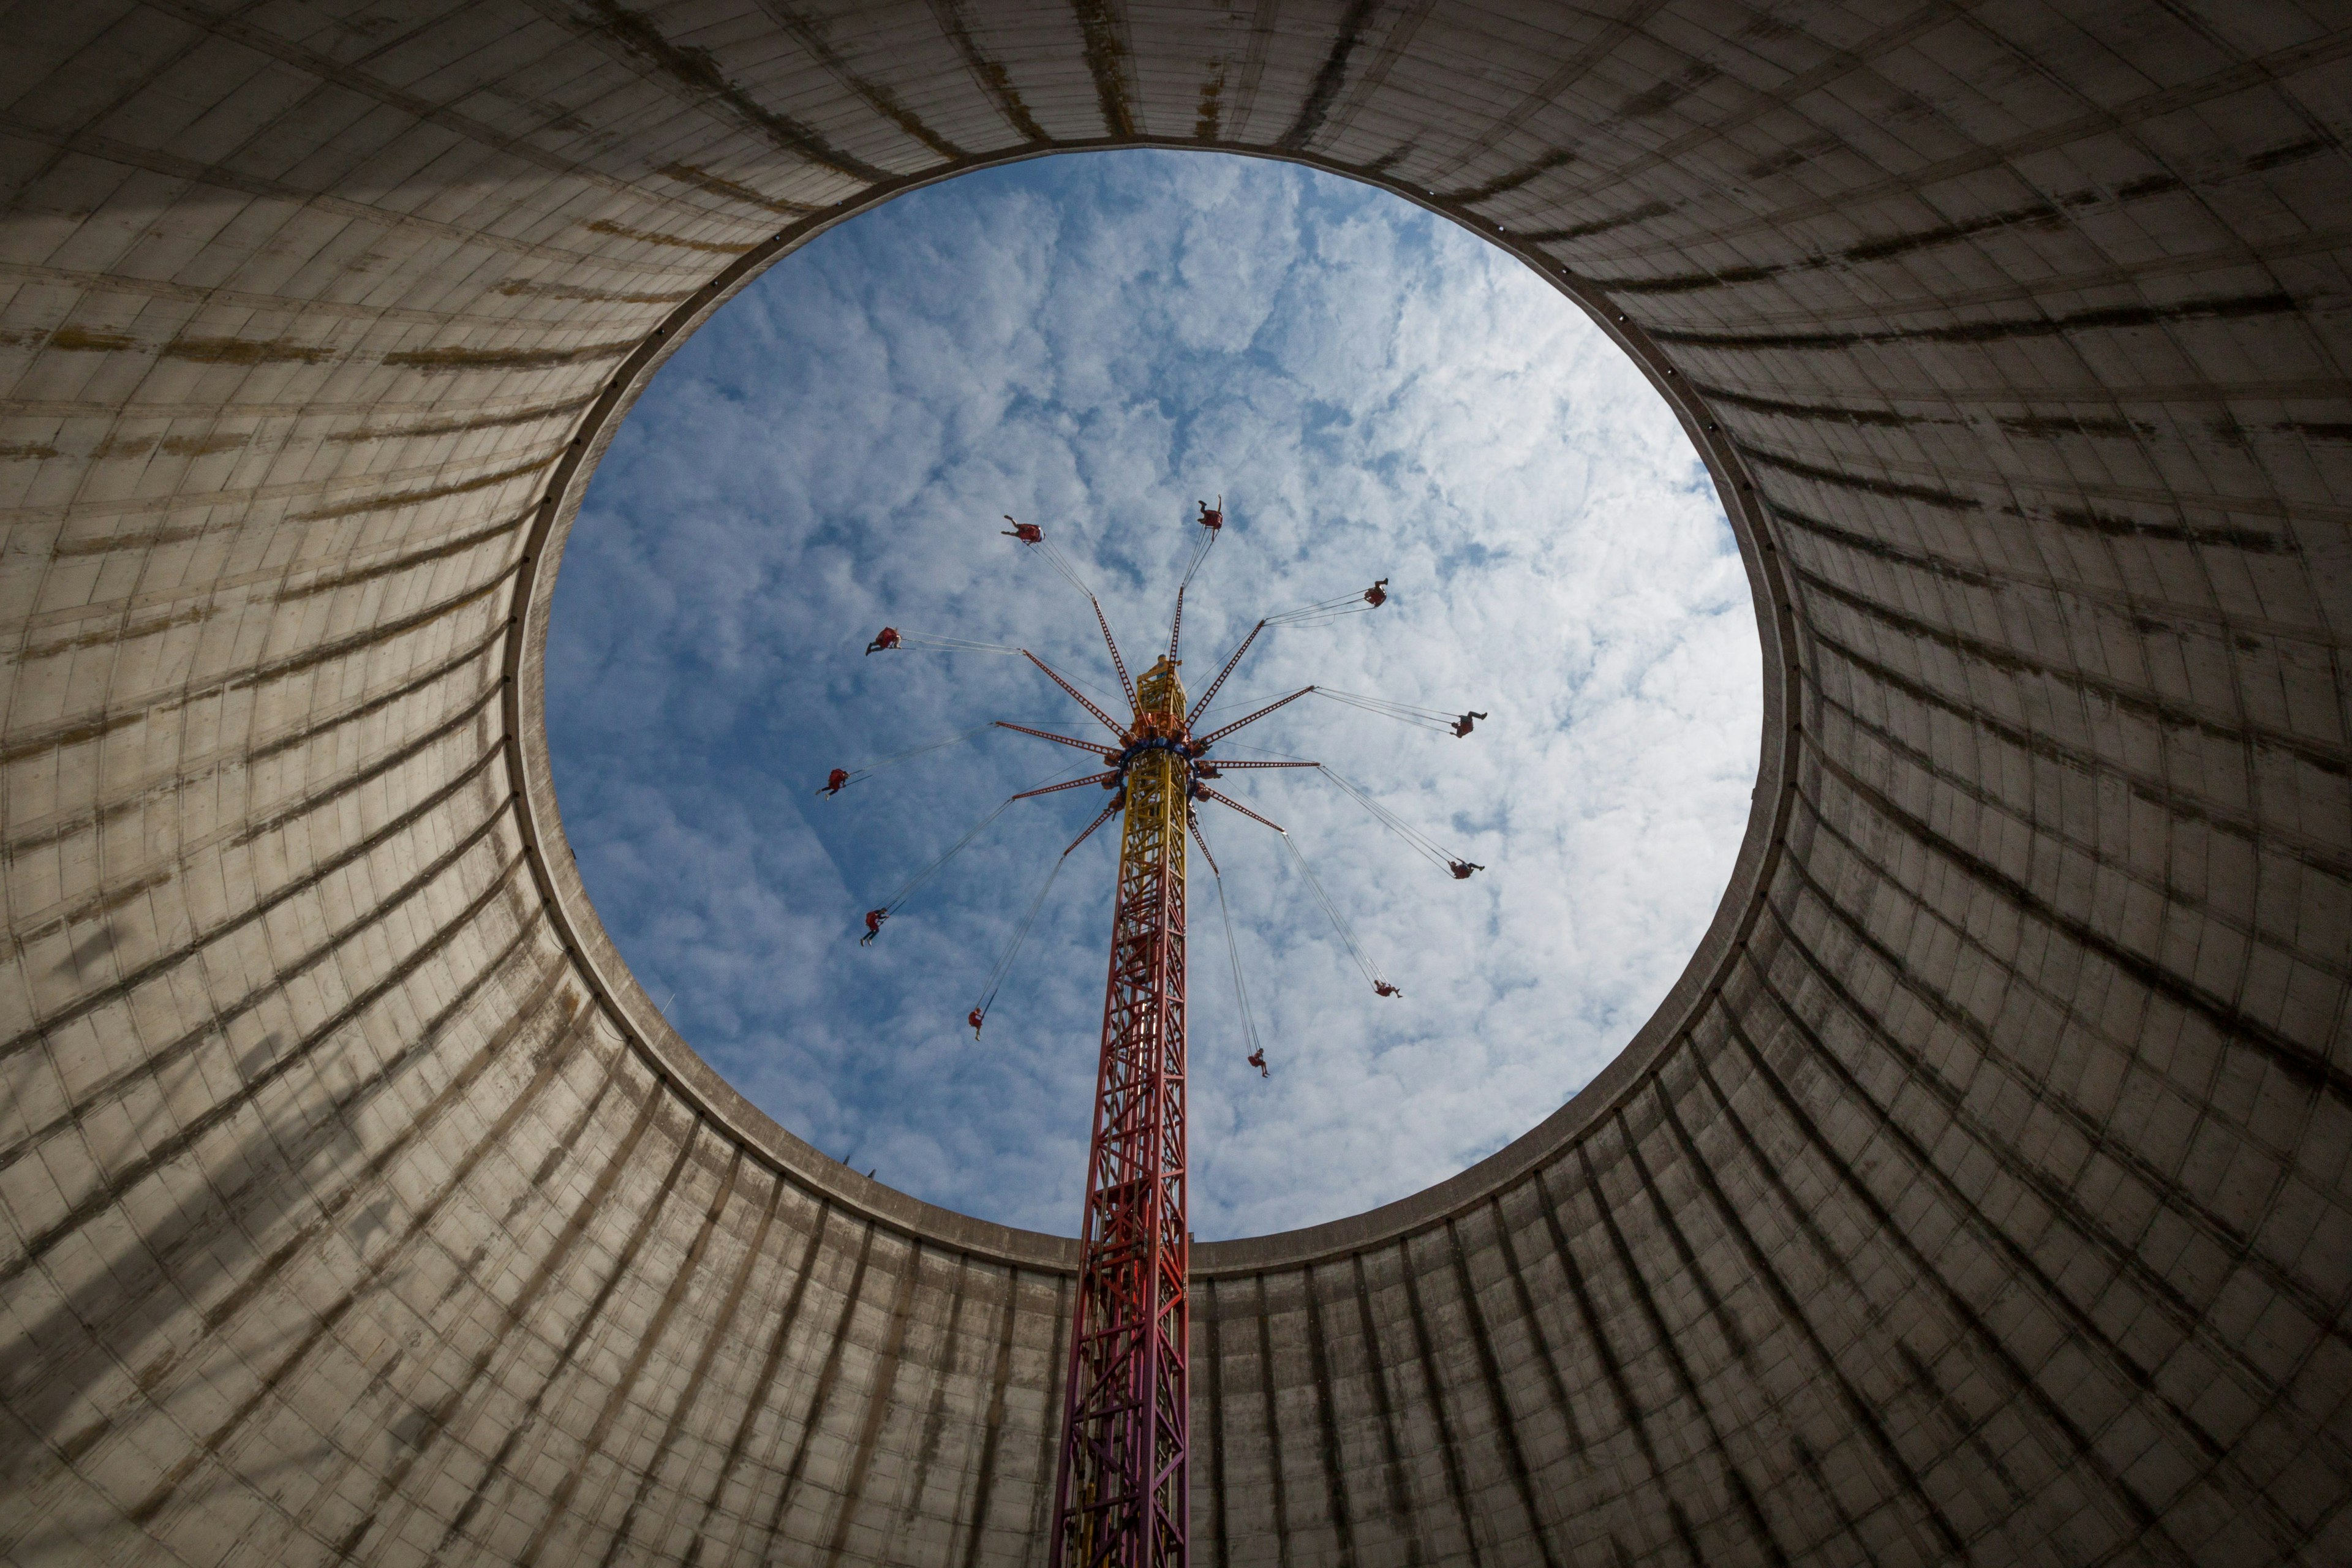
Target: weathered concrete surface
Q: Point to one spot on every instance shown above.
(1982, 1194)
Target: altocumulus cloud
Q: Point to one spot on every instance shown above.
(1092, 344)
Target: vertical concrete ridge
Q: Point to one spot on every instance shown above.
(1982, 1191)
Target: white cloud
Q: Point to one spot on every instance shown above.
(1090, 344)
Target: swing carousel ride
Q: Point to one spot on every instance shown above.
(1120, 1492)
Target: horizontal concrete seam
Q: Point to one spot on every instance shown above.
(993, 1424)
(1449, 1443)
(1628, 1266)
(79, 820)
(2153, 1289)
(617, 1397)
(549, 1064)
(344, 75)
(2144, 1515)
(113, 1186)
(156, 161)
(716, 1334)
(482, 417)
(77, 730)
(2213, 813)
(256, 508)
(157, 1497)
(2064, 502)
(2057, 837)
(393, 501)
(879, 1405)
(1327, 1427)
(1490, 1372)
(163, 964)
(378, 703)
(1759, 1265)
(1902, 292)
(86, 282)
(2167, 1191)
(1401, 1508)
(623, 1263)
(757, 1393)
(2242, 731)
(828, 1374)
(2299, 1061)
(438, 553)
(544, 1270)
(2263, 70)
(382, 767)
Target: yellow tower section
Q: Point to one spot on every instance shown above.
(1158, 782)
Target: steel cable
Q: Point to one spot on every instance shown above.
(1200, 554)
(924, 642)
(1418, 841)
(1234, 952)
(1327, 609)
(925, 874)
(892, 761)
(1355, 950)
(1005, 962)
(1405, 712)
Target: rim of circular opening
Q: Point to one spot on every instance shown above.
(681, 1068)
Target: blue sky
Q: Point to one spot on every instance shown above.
(1092, 344)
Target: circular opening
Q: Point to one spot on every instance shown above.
(1094, 344)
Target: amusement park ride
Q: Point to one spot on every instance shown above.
(1121, 1490)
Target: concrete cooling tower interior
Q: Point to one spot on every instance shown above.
(1979, 1194)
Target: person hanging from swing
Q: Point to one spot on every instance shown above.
(874, 919)
(1378, 593)
(1026, 532)
(888, 638)
(975, 1018)
(1464, 725)
(1212, 518)
(1382, 988)
(1461, 869)
(835, 781)
(1256, 1059)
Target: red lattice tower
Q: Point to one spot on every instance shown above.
(1120, 1495)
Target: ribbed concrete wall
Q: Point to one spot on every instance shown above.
(1982, 1194)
